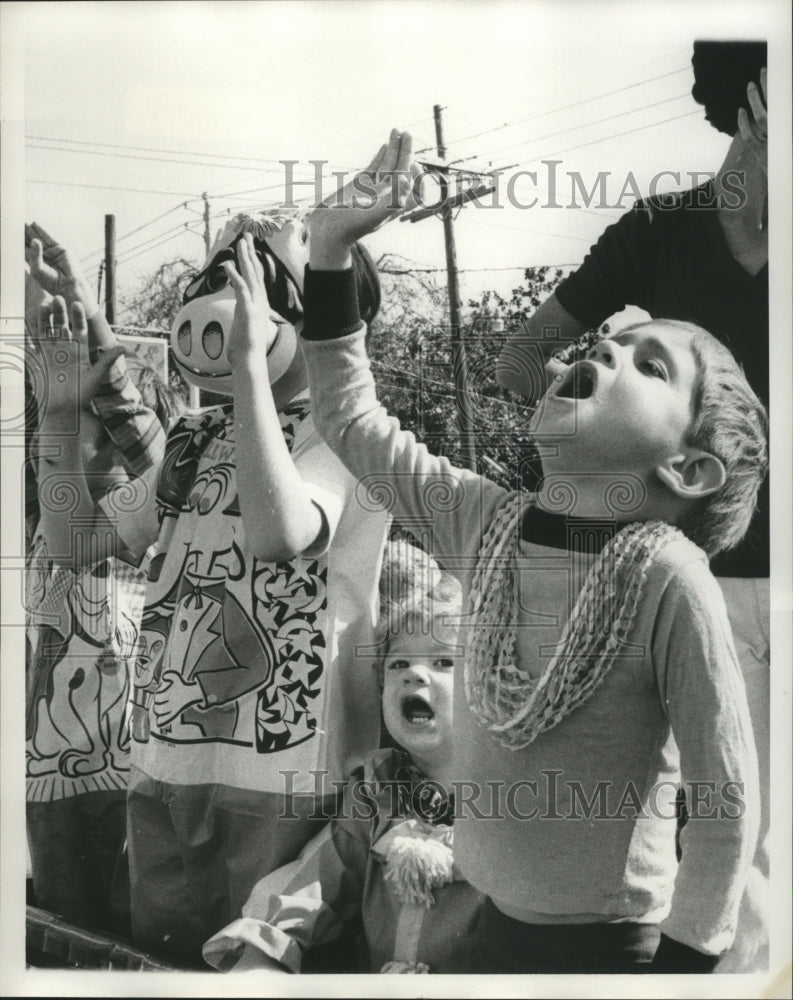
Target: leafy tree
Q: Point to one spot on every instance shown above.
(150, 309)
(158, 297)
(410, 347)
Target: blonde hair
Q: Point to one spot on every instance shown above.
(414, 594)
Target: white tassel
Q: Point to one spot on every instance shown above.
(415, 866)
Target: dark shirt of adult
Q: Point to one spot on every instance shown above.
(699, 255)
(668, 256)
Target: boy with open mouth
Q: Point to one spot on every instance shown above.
(599, 667)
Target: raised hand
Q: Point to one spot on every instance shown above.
(64, 381)
(253, 329)
(754, 127)
(54, 268)
(373, 197)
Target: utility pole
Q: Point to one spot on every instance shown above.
(194, 393)
(459, 363)
(207, 241)
(110, 269)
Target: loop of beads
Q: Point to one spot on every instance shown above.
(514, 706)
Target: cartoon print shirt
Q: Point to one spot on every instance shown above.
(81, 637)
(250, 673)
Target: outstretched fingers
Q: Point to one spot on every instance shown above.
(79, 323)
(250, 266)
(236, 282)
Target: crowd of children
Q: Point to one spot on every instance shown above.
(240, 694)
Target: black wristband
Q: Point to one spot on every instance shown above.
(675, 958)
(331, 304)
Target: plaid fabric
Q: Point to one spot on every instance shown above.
(134, 428)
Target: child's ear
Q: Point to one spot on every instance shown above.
(692, 475)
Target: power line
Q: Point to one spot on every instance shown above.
(174, 229)
(565, 107)
(145, 248)
(523, 229)
(151, 149)
(604, 138)
(110, 187)
(469, 270)
(126, 259)
(149, 159)
(132, 232)
(572, 128)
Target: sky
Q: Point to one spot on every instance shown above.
(137, 109)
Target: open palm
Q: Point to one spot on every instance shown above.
(374, 196)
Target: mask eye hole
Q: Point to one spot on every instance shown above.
(184, 338)
(212, 340)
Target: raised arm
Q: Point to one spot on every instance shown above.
(280, 518)
(82, 497)
(526, 364)
(57, 271)
(425, 492)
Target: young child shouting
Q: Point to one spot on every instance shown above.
(387, 857)
(599, 666)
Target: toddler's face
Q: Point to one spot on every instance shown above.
(417, 691)
(626, 406)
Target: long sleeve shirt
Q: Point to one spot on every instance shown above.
(580, 825)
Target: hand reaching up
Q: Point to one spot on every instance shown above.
(373, 197)
(54, 268)
(64, 381)
(253, 329)
(754, 126)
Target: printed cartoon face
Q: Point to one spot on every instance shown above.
(201, 330)
(417, 691)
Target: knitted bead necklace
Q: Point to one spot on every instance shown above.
(514, 706)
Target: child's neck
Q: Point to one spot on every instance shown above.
(615, 498)
(436, 767)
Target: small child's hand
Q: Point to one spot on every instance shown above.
(253, 330)
(374, 197)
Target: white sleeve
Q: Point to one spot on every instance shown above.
(441, 504)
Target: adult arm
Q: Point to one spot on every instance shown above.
(611, 277)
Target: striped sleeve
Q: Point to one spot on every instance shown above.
(134, 427)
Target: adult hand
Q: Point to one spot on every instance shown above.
(64, 381)
(373, 197)
(754, 127)
(56, 270)
(253, 329)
